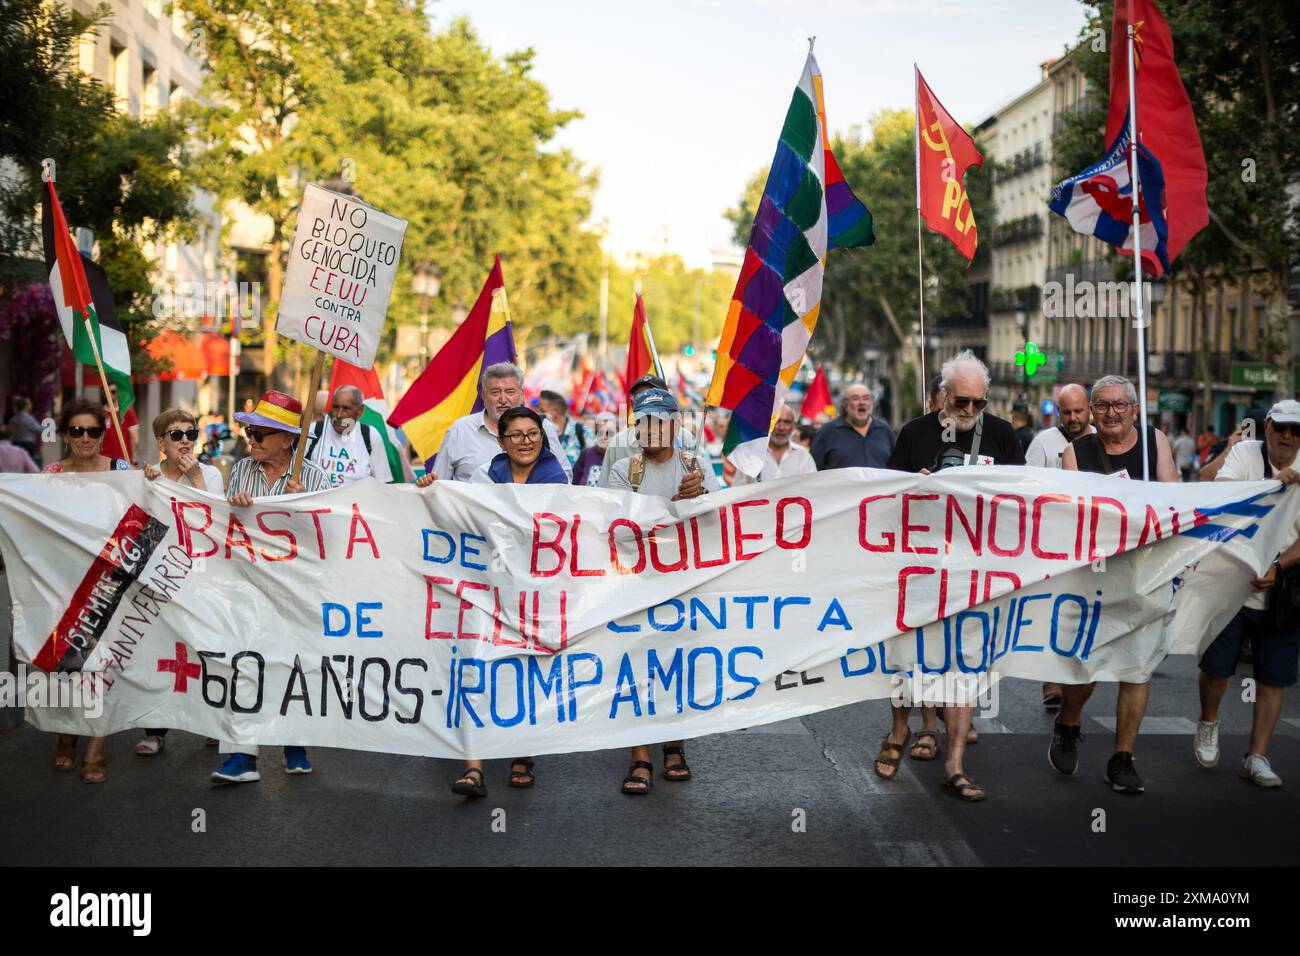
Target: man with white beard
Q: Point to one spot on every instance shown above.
(766, 459)
(347, 449)
(960, 432)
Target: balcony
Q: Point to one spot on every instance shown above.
(1021, 162)
(1012, 300)
(1025, 229)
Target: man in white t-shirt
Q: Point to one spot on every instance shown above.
(1072, 413)
(1045, 452)
(347, 449)
(1277, 650)
(658, 467)
(773, 457)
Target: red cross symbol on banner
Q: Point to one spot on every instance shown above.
(181, 667)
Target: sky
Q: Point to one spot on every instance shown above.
(683, 102)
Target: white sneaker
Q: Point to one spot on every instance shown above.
(1206, 747)
(1256, 769)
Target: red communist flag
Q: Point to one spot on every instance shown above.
(817, 400)
(944, 151)
(640, 359)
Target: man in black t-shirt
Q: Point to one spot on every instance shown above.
(942, 439)
(1115, 449)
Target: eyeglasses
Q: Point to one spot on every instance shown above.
(94, 431)
(1120, 408)
(176, 434)
(1287, 428)
(979, 403)
(259, 434)
(523, 438)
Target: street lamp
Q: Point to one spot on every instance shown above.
(426, 283)
(1022, 321)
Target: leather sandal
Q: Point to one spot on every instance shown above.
(928, 751)
(92, 771)
(635, 786)
(680, 770)
(467, 786)
(522, 779)
(969, 791)
(891, 755)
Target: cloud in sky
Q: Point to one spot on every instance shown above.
(683, 101)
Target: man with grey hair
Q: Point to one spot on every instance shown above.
(1115, 449)
(959, 433)
(472, 440)
(774, 456)
(348, 449)
(856, 439)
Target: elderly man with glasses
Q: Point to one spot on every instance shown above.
(1114, 449)
(273, 431)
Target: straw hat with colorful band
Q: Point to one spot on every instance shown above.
(275, 410)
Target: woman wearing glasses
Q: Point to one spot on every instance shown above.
(82, 426)
(526, 459)
(177, 432)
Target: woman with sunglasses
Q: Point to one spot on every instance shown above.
(177, 432)
(82, 426)
(526, 459)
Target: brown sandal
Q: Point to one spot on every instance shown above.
(928, 751)
(65, 755)
(891, 755)
(92, 771)
(969, 791)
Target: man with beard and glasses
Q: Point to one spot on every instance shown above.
(960, 432)
(345, 447)
(856, 439)
(1115, 449)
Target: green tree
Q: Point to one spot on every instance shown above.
(1238, 63)
(870, 295)
(121, 177)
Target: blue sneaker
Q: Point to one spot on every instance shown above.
(295, 760)
(238, 768)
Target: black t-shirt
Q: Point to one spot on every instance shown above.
(921, 440)
(1087, 455)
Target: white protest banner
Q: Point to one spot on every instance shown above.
(341, 270)
(490, 621)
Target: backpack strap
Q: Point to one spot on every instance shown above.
(365, 437)
(636, 470)
(1268, 465)
(313, 437)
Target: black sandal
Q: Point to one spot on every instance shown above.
(969, 791)
(524, 779)
(470, 789)
(630, 781)
(683, 772)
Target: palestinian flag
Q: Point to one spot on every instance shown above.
(81, 291)
(376, 409)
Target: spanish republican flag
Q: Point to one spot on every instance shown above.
(818, 398)
(375, 408)
(641, 357)
(448, 388)
(944, 151)
(82, 297)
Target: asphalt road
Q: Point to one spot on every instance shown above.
(741, 808)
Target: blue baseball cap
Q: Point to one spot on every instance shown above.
(655, 403)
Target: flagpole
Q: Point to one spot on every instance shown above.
(308, 412)
(654, 353)
(1139, 316)
(920, 267)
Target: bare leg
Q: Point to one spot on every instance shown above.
(1074, 696)
(92, 765)
(1129, 710)
(958, 718)
(1268, 705)
(1211, 690)
(640, 753)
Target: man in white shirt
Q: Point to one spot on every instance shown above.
(1072, 413)
(776, 456)
(1045, 452)
(347, 449)
(472, 440)
(1277, 650)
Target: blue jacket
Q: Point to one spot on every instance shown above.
(547, 470)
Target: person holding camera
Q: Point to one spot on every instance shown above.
(959, 433)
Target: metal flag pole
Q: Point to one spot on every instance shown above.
(920, 268)
(1139, 314)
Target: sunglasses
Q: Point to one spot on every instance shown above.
(177, 434)
(1287, 428)
(94, 431)
(979, 403)
(259, 434)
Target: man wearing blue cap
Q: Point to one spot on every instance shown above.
(659, 468)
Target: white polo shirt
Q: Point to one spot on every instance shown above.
(755, 456)
(1047, 447)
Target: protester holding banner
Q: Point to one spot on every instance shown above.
(1116, 450)
(773, 457)
(659, 467)
(1269, 619)
(471, 441)
(273, 431)
(345, 447)
(625, 444)
(83, 426)
(177, 432)
(526, 459)
(856, 439)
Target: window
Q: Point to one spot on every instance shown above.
(150, 90)
(117, 64)
(86, 54)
